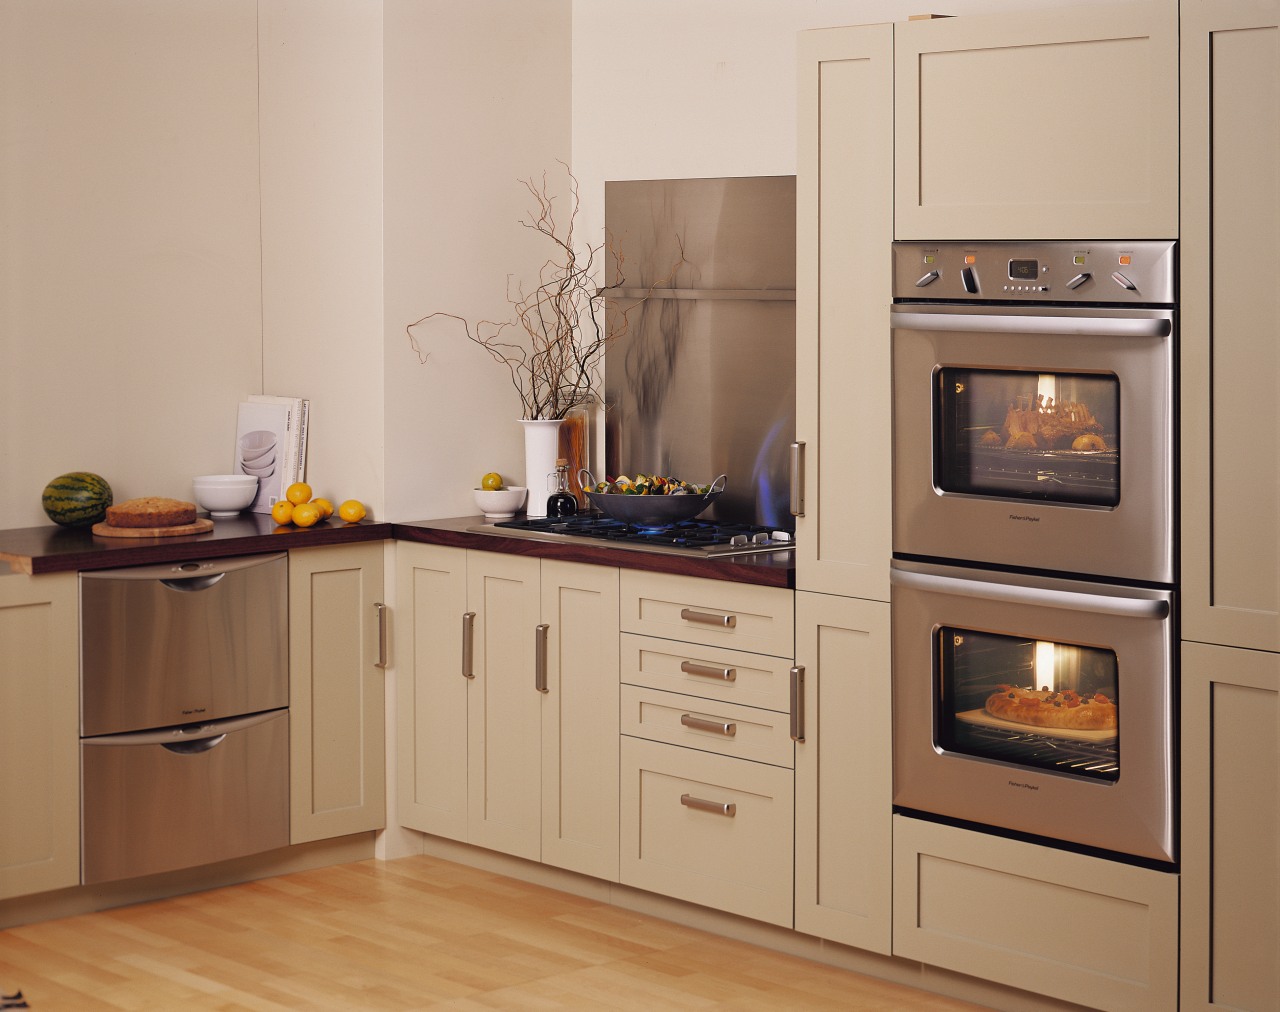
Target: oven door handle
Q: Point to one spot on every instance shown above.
(1124, 607)
(1088, 326)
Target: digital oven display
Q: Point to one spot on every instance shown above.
(1024, 270)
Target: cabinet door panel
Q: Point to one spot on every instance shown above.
(337, 709)
(843, 230)
(503, 719)
(1230, 828)
(40, 743)
(844, 775)
(1052, 125)
(580, 719)
(431, 702)
(1230, 325)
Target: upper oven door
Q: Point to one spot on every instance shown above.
(1037, 437)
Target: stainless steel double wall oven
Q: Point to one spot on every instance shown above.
(1033, 486)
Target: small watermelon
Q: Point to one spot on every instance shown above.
(77, 499)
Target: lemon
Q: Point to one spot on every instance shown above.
(491, 481)
(298, 492)
(352, 511)
(282, 511)
(306, 514)
(326, 508)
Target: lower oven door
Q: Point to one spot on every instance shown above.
(1035, 705)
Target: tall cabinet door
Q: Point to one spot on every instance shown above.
(1230, 828)
(1054, 124)
(503, 714)
(40, 743)
(580, 718)
(844, 182)
(844, 775)
(1230, 323)
(432, 668)
(337, 707)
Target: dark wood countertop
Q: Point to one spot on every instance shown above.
(769, 569)
(54, 549)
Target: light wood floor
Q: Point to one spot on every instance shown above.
(415, 933)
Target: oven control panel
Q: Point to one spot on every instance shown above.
(1102, 272)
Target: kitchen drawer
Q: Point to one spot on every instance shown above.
(712, 612)
(744, 732)
(708, 829)
(711, 672)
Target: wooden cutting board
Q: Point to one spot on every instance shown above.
(200, 525)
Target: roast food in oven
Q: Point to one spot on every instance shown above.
(1046, 708)
(1043, 424)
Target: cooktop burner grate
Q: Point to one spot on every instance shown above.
(689, 536)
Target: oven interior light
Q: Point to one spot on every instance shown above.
(1047, 387)
(1044, 666)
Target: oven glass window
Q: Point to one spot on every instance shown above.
(1047, 436)
(1036, 703)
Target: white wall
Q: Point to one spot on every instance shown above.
(130, 321)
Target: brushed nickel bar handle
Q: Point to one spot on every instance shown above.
(707, 671)
(797, 703)
(725, 621)
(540, 657)
(714, 807)
(714, 726)
(797, 479)
(381, 608)
(468, 638)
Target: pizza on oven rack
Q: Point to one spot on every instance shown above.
(1046, 708)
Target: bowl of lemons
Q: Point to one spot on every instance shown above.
(498, 500)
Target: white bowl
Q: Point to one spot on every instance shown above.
(500, 503)
(259, 471)
(224, 495)
(255, 444)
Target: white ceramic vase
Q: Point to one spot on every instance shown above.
(541, 448)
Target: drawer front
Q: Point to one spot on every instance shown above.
(708, 829)
(731, 676)
(712, 612)
(741, 731)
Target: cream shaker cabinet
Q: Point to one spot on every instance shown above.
(1230, 323)
(337, 647)
(844, 775)
(1054, 124)
(1230, 828)
(707, 785)
(40, 743)
(844, 228)
(508, 704)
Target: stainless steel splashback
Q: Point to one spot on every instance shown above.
(703, 381)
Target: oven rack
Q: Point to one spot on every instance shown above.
(1080, 758)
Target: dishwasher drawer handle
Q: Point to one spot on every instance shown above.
(714, 726)
(725, 621)
(192, 584)
(707, 671)
(195, 747)
(726, 808)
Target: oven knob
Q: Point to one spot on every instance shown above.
(970, 279)
(1078, 280)
(1123, 282)
(928, 279)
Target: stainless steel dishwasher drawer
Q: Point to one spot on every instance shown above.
(183, 643)
(155, 801)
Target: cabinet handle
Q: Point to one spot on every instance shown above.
(703, 724)
(540, 657)
(714, 807)
(468, 637)
(381, 608)
(797, 479)
(709, 618)
(797, 703)
(707, 671)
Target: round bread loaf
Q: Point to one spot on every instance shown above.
(151, 511)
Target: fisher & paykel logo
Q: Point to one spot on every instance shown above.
(1025, 787)
(1023, 516)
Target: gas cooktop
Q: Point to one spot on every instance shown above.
(706, 538)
